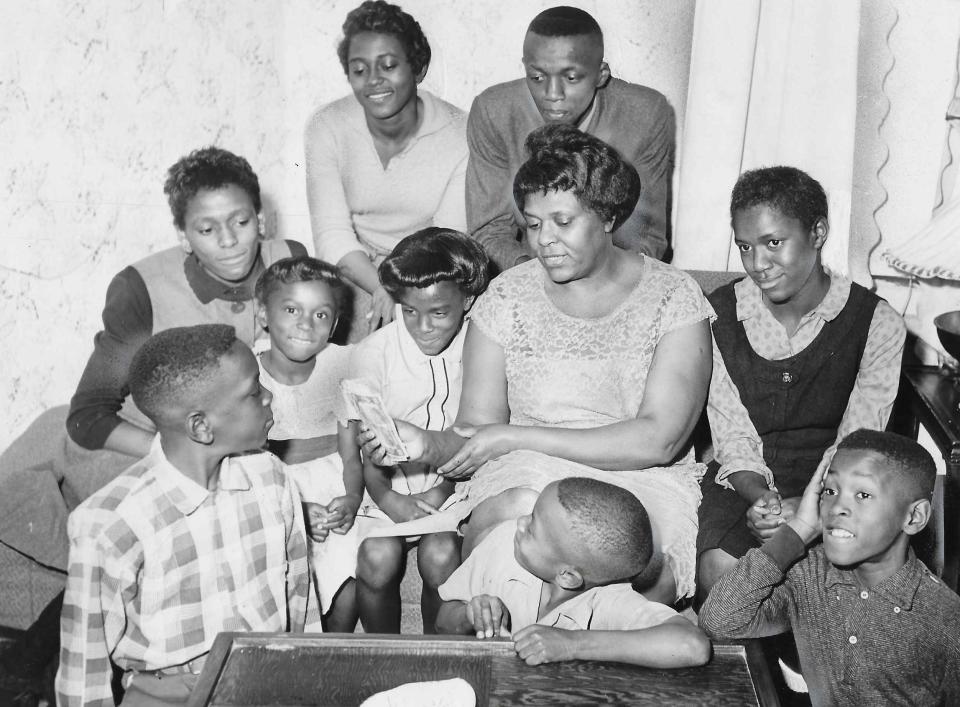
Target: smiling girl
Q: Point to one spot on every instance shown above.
(802, 357)
(298, 304)
(385, 162)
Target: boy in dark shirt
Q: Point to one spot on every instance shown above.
(871, 623)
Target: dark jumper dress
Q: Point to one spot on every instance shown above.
(796, 405)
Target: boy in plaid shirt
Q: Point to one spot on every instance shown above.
(197, 538)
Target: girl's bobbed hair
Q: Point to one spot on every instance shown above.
(435, 255)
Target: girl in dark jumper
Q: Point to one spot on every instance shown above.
(802, 356)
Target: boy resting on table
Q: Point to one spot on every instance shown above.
(871, 623)
(559, 580)
(194, 539)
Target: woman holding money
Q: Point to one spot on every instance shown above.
(587, 361)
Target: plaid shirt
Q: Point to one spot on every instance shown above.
(160, 565)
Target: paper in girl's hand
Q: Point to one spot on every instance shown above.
(363, 403)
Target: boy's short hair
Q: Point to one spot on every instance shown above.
(301, 268)
(612, 522)
(789, 190)
(383, 18)
(565, 21)
(562, 158)
(911, 464)
(208, 168)
(174, 366)
(434, 255)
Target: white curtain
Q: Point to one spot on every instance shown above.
(772, 82)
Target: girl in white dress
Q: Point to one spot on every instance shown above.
(298, 302)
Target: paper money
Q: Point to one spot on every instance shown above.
(363, 403)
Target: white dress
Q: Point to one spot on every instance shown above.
(564, 371)
(302, 412)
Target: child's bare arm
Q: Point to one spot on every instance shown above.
(344, 508)
(484, 615)
(438, 494)
(676, 643)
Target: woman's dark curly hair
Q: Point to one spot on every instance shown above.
(434, 255)
(383, 18)
(207, 168)
(789, 190)
(301, 268)
(562, 158)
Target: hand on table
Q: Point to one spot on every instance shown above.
(536, 644)
(489, 616)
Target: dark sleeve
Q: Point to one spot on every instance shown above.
(297, 249)
(127, 323)
(489, 217)
(752, 599)
(647, 230)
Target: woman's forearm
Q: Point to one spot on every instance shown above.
(357, 268)
(631, 444)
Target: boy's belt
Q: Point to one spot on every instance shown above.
(192, 667)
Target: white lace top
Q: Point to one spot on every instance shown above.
(563, 371)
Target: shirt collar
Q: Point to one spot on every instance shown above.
(899, 589)
(207, 288)
(585, 123)
(185, 494)
(412, 353)
(750, 299)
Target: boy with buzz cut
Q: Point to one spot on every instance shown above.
(559, 581)
(196, 538)
(567, 82)
(871, 623)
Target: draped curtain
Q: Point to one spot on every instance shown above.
(770, 83)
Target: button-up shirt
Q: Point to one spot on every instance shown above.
(159, 565)
(897, 643)
(492, 569)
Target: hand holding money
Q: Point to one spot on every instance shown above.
(366, 405)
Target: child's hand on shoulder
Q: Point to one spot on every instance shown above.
(489, 615)
(343, 512)
(536, 644)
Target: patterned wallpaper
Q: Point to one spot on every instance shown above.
(99, 97)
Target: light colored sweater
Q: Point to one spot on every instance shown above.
(357, 204)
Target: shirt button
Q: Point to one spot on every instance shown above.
(896, 609)
(864, 595)
(853, 640)
(238, 307)
(786, 377)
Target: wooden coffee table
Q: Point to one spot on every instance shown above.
(345, 669)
